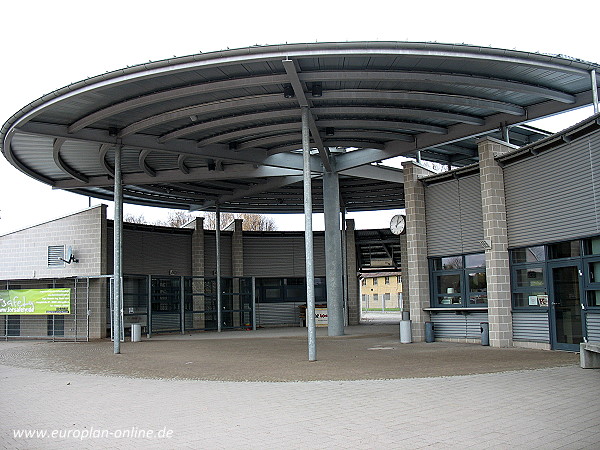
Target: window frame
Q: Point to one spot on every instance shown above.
(463, 272)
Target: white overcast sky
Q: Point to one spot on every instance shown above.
(49, 44)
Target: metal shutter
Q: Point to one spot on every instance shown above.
(454, 216)
(458, 326)
(531, 326)
(553, 196)
(593, 327)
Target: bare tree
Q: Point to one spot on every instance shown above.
(257, 222)
(176, 219)
(210, 220)
(132, 218)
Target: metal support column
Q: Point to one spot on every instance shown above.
(308, 240)
(218, 245)
(344, 267)
(182, 304)
(254, 303)
(505, 134)
(333, 254)
(118, 247)
(594, 91)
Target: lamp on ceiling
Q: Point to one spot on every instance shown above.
(329, 131)
(288, 91)
(317, 90)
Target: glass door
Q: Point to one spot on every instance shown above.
(566, 306)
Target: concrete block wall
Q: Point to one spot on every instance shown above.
(25, 252)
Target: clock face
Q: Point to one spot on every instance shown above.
(397, 224)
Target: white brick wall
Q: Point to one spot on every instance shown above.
(24, 254)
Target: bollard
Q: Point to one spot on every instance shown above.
(429, 334)
(485, 333)
(136, 332)
(405, 332)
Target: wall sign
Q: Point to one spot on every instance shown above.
(35, 301)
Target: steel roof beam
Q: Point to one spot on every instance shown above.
(219, 106)
(141, 142)
(273, 183)
(103, 162)
(58, 143)
(292, 72)
(376, 173)
(144, 164)
(198, 174)
(397, 112)
(437, 79)
(172, 94)
(455, 133)
(424, 98)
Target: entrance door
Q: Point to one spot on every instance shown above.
(565, 307)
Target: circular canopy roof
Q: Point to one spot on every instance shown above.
(225, 127)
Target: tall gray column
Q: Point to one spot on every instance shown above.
(237, 266)
(416, 248)
(218, 258)
(333, 254)
(118, 252)
(493, 204)
(308, 239)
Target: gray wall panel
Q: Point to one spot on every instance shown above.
(152, 252)
(531, 326)
(281, 256)
(459, 326)
(454, 217)
(210, 254)
(593, 327)
(553, 196)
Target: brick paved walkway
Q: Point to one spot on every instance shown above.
(556, 407)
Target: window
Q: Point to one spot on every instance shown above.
(387, 280)
(459, 281)
(399, 279)
(374, 281)
(528, 277)
(375, 298)
(56, 255)
(363, 282)
(567, 249)
(386, 301)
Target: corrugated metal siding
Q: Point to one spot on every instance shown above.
(271, 314)
(151, 252)
(531, 327)
(552, 196)
(593, 327)
(281, 256)
(454, 217)
(210, 255)
(452, 325)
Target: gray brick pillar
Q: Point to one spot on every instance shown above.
(404, 275)
(494, 230)
(198, 271)
(352, 275)
(416, 248)
(237, 249)
(237, 265)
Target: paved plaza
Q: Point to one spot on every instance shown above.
(80, 399)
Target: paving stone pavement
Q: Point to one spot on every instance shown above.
(557, 407)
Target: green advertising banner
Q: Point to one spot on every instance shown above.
(35, 301)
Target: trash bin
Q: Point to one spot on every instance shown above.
(485, 333)
(136, 332)
(429, 335)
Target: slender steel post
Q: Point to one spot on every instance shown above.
(344, 267)
(149, 311)
(218, 238)
(118, 246)
(182, 303)
(254, 303)
(308, 241)
(505, 134)
(594, 90)
(419, 157)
